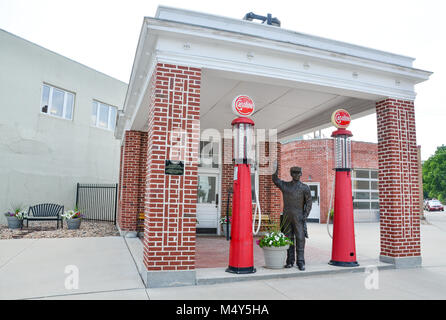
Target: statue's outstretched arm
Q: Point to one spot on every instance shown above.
(275, 176)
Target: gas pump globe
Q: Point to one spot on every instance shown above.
(241, 256)
(343, 252)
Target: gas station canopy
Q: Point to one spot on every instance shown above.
(296, 80)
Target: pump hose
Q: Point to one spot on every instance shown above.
(329, 208)
(257, 205)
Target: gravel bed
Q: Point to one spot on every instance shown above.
(47, 229)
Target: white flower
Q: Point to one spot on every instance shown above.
(20, 215)
(68, 214)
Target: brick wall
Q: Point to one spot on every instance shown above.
(315, 157)
(131, 180)
(398, 179)
(170, 202)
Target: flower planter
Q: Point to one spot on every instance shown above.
(14, 223)
(225, 229)
(275, 257)
(74, 223)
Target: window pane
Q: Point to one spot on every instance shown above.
(361, 205)
(103, 116)
(362, 195)
(206, 189)
(208, 154)
(45, 99)
(57, 103)
(374, 174)
(205, 154)
(94, 113)
(375, 195)
(69, 106)
(375, 205)
(374, 185)
(361, 174)
(112, 118)
(364, 185)
(215, 155)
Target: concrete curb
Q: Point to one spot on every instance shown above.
(207, 276)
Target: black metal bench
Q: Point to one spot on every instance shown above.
(45, 212)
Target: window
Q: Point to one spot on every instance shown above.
(103, 116)
(365, 189)
(208, 154)
(57, 102)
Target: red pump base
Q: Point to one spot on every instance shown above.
(241, 256)
(343, 253)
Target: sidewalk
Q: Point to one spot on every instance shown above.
(35, 269)
(38, 268)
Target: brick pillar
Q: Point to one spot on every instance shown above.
(131, 180)
(420, 179)
(398, 183)
(170, 207)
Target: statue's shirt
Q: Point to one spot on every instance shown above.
(296, 197)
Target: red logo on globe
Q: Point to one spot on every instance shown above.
(341, 118)
(243, 106)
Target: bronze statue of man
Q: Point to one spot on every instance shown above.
(296, 208)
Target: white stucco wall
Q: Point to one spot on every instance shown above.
(43, 157)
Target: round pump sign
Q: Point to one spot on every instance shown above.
(243, 106)
(341, 119)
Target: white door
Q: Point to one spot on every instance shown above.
(315, 213)
(207, 202)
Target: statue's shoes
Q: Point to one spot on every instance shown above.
(288, 265)
(301, 266)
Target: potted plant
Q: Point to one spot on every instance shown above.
(224, 221)
(15, 217)
(275, 245)
(73, 218)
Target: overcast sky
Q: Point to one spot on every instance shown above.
(103, 35)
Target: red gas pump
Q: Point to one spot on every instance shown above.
(241, 257)
(343, 252)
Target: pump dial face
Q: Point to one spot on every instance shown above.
(341, 119)
(243, 106)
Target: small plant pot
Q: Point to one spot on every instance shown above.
(14, 223)
(275, 257)
(225, 231)
(74, 223)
